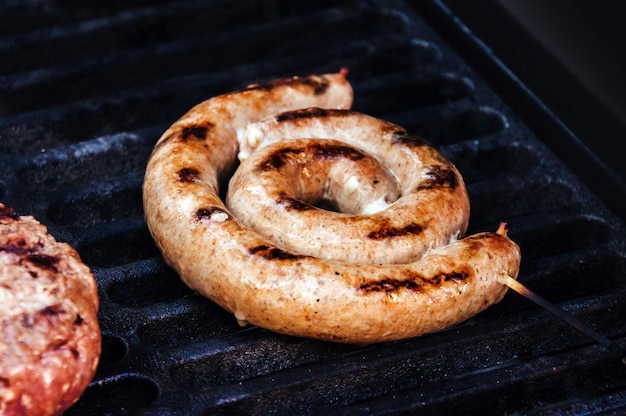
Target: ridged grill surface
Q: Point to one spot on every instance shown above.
(86, 88)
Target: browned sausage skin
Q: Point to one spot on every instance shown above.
(282, 290)
(432, 208)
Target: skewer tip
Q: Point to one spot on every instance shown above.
(612, 346)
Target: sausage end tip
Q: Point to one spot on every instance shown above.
(503, 229)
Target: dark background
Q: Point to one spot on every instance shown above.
(561, 65)
(588, 37)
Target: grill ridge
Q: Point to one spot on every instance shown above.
(76, 130)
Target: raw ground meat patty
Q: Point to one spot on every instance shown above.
(50, 338)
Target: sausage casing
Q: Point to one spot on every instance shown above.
(262, 283)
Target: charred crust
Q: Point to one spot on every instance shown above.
(30, 254)
(319, 150)
(187, 175)
(414, 283)
(327, 151)
(44, 261)
(319, 85)
(303, 113)
(440, 177)
(402, 136)
(52, 310)
(7, 213)
(184, 134)
(387, 231)
(195, 132)
(274, 253)
(274, 161)
(293, 204)
(311, 112)
(208, 213)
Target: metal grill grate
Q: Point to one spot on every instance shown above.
(87, 88)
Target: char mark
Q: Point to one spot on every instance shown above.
(440, 177)
(210, 213)
(274, 253)
(7, 213)
(292, 204)
(319, 85)
(318, 150)
(195, 132)
(414, 283)
(388, 231)
(311, 112)
(187, 175)
(52, 310)
(404, 137)
(33, 256)
(44, 261)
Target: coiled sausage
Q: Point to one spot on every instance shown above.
(432, 209)
(264, 283)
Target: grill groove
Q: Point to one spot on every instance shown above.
(87, 88)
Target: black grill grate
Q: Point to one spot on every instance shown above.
(87, 88)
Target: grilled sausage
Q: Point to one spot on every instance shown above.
(262, 282)
(432, 211)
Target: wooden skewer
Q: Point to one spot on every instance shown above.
(561, 314)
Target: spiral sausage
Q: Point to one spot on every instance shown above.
(433, 209)
(295, 293)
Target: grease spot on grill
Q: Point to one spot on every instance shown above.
(274, 253)
(414, 283)
(387, 231)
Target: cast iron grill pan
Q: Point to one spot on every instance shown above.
(88, 87)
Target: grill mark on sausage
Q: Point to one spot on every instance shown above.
(281, 157)
(187, 175)
(319, 85)
(311, 112)
(387, 231)
(293, 204)
(407, 138)
(440, 177)
(274, 253)
(196, 131)
(209, 213)
(414, 283)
